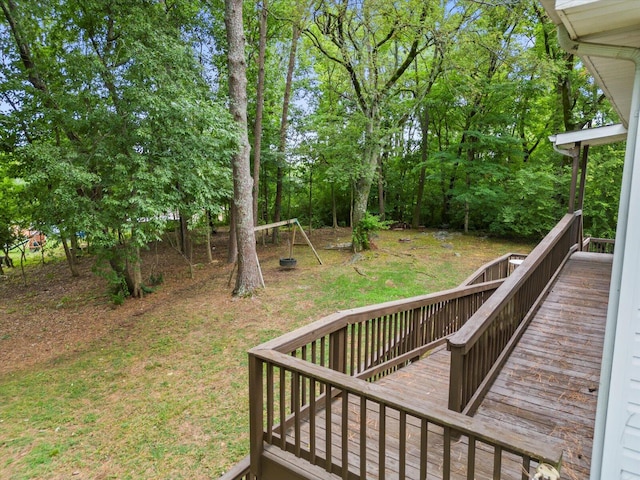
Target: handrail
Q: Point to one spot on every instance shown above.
(598, 245)
(361, 340)
(480, 347)
(498, 269)
(313, 437)
(294, 376)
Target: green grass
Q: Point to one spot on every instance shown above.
(167, 396)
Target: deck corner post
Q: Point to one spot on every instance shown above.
(455, 377)
(256, 398)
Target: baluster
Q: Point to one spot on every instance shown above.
(497, 462)
(359, 349)
(328, 431)
(526, 466)
(424, 453)
(367, 364)
(374, 342)
(295, 394)
(283, 403)
(352, 353)
(363, 437)
(270, 401)
(446, 457)
(303, 395)
(345, 435)
(402, 454)
(382, 442)
(312, 420)
(471, 459)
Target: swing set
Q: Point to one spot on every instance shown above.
(289, 262)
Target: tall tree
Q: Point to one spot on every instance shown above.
(248, 278)
(121, 126)
(257, 129)
(284, 122)
(374, 42)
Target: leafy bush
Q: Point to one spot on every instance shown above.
(362, 232)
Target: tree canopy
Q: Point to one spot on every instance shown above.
(115, 116)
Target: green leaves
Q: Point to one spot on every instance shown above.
(129, 130)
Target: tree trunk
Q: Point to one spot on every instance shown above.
(248, 279)
(424, 151)
(71, 259)
(232, 250)
(381, 189)
(125, 262)
(365, 178)
(334, 211)
(257, 129)
(184, 236)
(133, 274)
(208, 230)
(284, 122)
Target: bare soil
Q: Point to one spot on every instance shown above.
(56, 315)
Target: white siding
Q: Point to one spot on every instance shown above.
(621, 449)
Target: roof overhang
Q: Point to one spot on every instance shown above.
(589, 136)
(603, 22)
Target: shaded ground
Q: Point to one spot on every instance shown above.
(57, 315)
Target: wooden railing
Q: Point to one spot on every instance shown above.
(482, 345)
(598, 245)
(498, 269)
(296, 380)
(421, 436)
(330, 363)
(372, 341)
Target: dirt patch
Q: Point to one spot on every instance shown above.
(56, 315)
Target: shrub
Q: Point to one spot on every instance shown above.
(369, 224)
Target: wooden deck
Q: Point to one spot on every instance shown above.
(550, 382)
(548, 385)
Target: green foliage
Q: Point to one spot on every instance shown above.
(532, 209)
(130, 130)
(132, 124)
(604, 176)
(117, 288)
(11, 210)
(364, 229)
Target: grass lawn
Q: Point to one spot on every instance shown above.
(157, 388)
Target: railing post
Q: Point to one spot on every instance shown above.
(456, 378)
(337, 355)
(256, 428)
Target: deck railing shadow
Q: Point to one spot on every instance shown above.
(483, 344)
